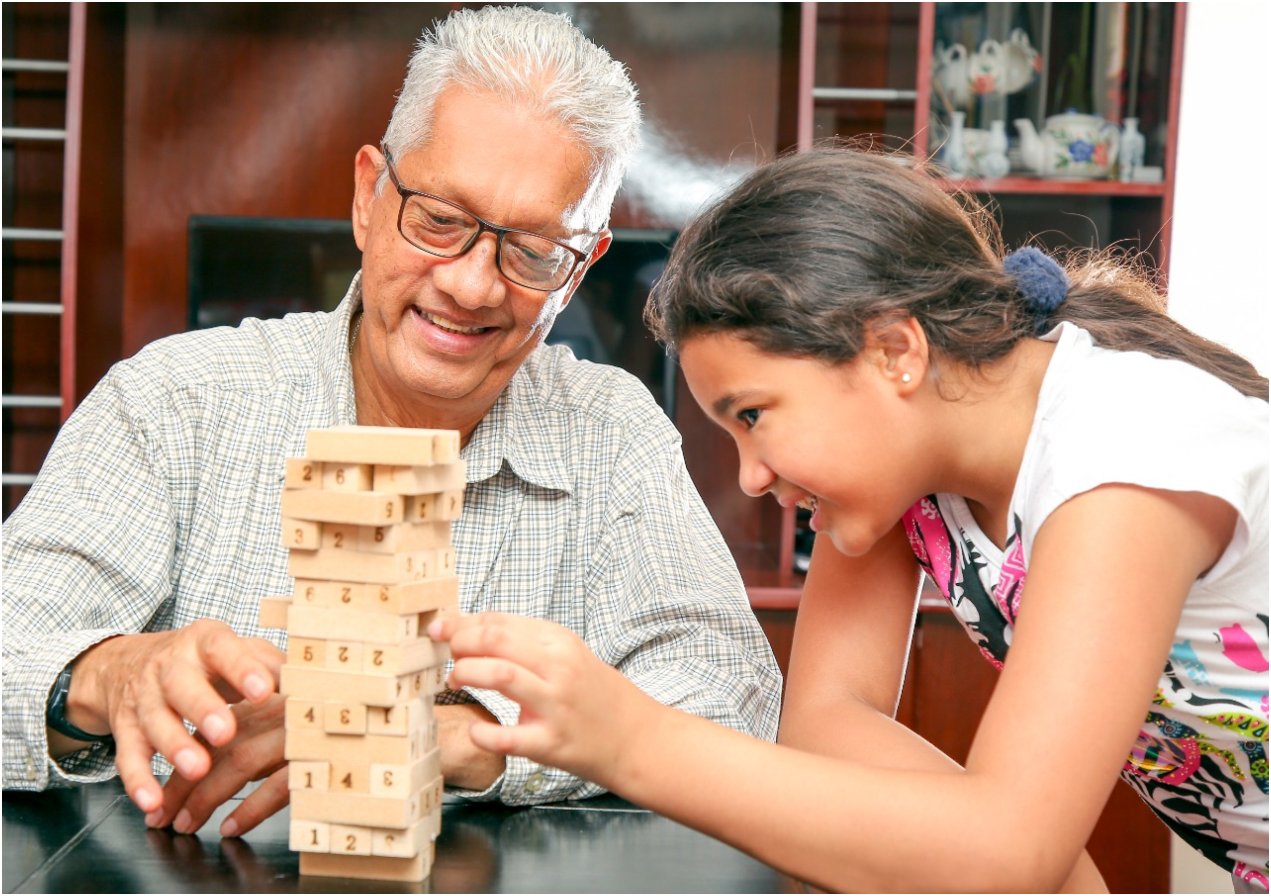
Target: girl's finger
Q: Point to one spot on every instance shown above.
(494, 674)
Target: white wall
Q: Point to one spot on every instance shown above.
(1219, 278)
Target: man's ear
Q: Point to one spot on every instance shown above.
(899, 347)
(367, 165)
(601, 247)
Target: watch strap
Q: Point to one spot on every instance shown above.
(55, 712)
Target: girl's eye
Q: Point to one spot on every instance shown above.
(748, 417)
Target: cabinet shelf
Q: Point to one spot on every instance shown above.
(1039, 186)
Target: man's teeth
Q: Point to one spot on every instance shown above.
(451, 325)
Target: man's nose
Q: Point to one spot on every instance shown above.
(473, 279)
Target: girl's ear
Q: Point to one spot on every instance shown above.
(899, 348)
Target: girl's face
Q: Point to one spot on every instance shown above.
(828, 437)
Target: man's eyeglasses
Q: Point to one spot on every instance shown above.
(442, 228)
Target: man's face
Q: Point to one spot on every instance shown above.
(441, 337)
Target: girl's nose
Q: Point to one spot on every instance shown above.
(754, 477)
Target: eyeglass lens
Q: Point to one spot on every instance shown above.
(443, 229)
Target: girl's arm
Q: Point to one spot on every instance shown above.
(847, 661)
(1107, 580)
(847, 667)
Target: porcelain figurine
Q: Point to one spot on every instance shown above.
(1071, 145)
(1133, 148)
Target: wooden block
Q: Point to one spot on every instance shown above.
(396, 445)
(435, 593)
(301, 472)
(445, 446)
(408, 656)
(428, 682)
(332, 623)
(341, 536)
(399, 719)
(348, 687)
(343, 718)
(358, 566)
(420, 480)
(358, 808)
(309, 775)
(318, 864)
(273, 612)
(403, 537)
(301, 535)
(306, 651)
(397, 779)
(359, 508)
(340, 748)
(350, 840)
(347, 655)
(324, 593)
(407, 843)
(338, 477)
(301, 713)
(352, 777)
(400, 598)
(311, 836)
(447, 505)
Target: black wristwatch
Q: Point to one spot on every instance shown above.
(55, 712)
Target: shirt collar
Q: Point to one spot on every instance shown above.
(521, 429)
(524, 430)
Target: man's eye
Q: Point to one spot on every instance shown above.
(442, 221)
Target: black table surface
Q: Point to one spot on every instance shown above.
(93, 839)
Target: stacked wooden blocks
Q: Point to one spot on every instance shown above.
(366, 516)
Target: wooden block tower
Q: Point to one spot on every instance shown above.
(366, 516)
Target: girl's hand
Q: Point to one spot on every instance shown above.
(578, 713)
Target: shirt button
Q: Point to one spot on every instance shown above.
(534, 783)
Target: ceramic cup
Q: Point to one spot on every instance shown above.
(1020, 62)
(950, 70)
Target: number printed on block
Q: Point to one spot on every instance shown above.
(301, 535)
(351, 840)
(302, 473)
(346, 477)
(301, 713)
(306, 651)
(350, 777)
(346, 655)
(344, 718)
(310, 836)
(341, 536)
(308, 775)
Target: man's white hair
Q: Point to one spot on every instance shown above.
(532, 58)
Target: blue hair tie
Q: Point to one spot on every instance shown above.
(1039, 279)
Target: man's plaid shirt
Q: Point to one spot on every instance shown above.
(159, 505)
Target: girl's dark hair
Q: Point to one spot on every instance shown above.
(812, 249)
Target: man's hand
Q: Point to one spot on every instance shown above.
(255, 753)
(141, 687)
(463, 763)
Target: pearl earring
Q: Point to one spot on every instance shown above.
(905, 377)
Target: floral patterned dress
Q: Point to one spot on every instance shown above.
(1201, 752)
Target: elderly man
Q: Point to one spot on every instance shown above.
(134, 566)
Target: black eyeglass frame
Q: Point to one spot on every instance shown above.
(483, 226)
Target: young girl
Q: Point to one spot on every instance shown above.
(1083, 479)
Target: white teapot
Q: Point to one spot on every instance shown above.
(1070, 145)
